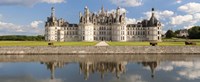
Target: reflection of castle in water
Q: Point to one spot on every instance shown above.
(103, 67)
(152, 66)
(52, 67)
(87, 68)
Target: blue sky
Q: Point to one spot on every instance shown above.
(27, 17)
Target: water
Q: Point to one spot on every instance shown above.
(85, 68)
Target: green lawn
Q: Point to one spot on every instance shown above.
(128, 43)
(42, 43)
(180, 40)
(147, 43)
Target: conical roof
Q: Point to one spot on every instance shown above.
(153, 20)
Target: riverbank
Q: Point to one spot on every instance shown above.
(43, 43)
(92, 50)
(97, 58)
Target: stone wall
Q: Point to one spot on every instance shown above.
(70, 50)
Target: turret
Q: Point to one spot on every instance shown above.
(87, 14)
(80, 14)
(153, 12)
(52, 12)
(117, 14)
(102, 10)
(153, 21)
(118, 11)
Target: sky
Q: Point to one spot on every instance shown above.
(28, 17)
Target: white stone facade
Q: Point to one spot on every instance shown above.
(102, 26)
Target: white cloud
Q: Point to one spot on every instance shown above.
(14, 29)
(1, 16)
(35, 24)
(122, 10)
(160, 14)
(28, 2)
(131, 21)
(188, 27)
(177, 20)
(197, 16)
(178, 1)
(164, 31)
(190, 7)
(188, 20)
(10, 27)
(191, 70)
(53, 1)
(127, 3)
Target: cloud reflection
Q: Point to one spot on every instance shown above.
(26, 78)
(187, 69)
(129, 78)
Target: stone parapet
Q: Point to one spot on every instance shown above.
(70, 50)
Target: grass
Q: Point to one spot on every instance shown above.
(166, 42)
(147, 43)
(43, 43)
(128, 43)
(180, 40)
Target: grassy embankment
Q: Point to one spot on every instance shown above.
(166, 42)
(42, 43)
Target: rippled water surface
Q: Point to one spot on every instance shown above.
(81, 69)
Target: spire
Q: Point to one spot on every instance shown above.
(52, 69)
(118, 7)
(52, 12)
(86, 7)
(87, 11)
(102, 9)
(153, 66)
(80, 14)
(118, 10)
(152, 12)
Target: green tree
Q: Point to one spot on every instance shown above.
(21, 38)
(176, 33)
(169, 34)
(194, 32)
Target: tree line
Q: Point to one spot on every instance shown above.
(193, 33)
(21, 38)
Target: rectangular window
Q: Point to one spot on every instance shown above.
(83, 38)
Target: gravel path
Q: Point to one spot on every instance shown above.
(103, 43)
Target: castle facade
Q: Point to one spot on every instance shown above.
(103, 26)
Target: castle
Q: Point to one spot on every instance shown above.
(102, 26)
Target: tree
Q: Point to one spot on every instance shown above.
(176, 33)
(169, 34)
(21, 38)
(194, 32)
